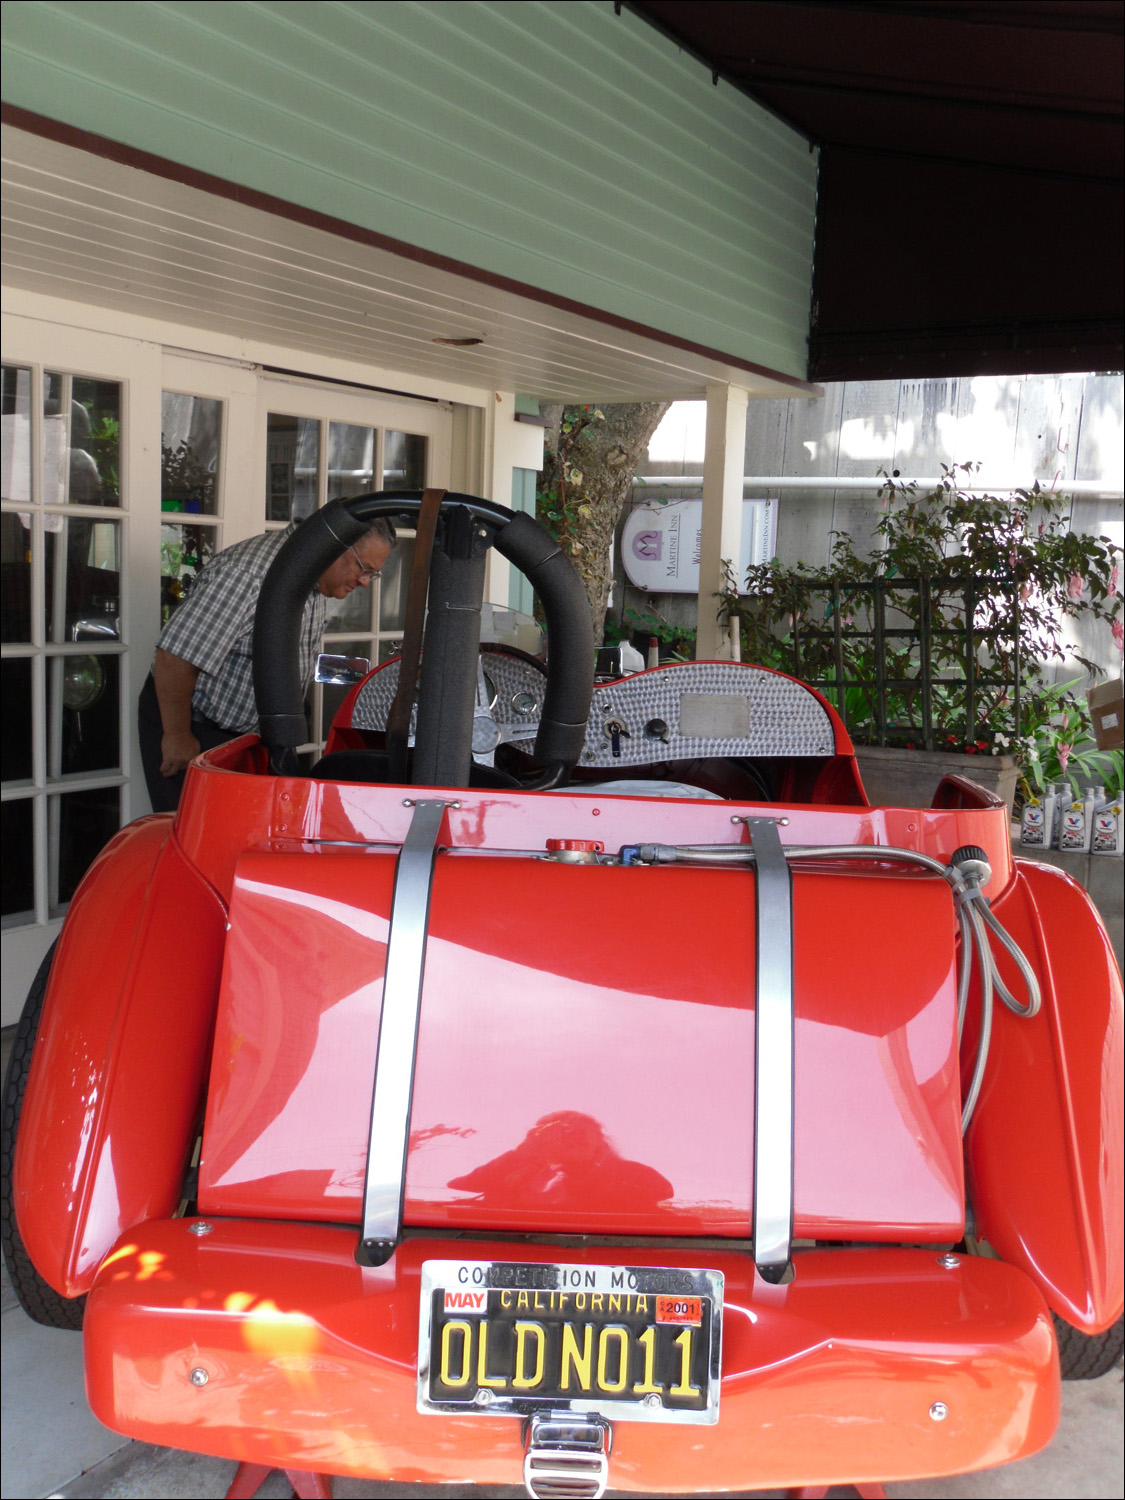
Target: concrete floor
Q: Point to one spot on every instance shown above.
(53, 1446)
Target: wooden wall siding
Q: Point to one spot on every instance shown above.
(556, 143)
(1050, 428)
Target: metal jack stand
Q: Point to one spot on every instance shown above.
(820, 1491)
(249, 1478)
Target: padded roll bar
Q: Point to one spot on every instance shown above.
(319, 541)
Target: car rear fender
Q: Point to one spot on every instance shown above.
(114, 1091)
(1044, 1155)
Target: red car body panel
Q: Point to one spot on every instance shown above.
(311, 1362)
(539, 1055)
(230, 808)
(546, 1044)
(127, 1012)
(1043, 1151)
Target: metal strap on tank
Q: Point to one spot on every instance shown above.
(384, 1181)
(773, 1053)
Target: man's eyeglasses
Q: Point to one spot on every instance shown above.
(366, 574)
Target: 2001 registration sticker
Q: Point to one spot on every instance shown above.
(637, 1343)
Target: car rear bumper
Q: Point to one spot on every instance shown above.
(266, 1342)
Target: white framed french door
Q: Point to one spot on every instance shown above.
(324, 442)
(79, 412)
(126, 466)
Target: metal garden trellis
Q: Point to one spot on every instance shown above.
(954, 670)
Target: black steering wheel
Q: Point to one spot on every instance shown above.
(467, 526)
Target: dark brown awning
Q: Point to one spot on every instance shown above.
(970, 201)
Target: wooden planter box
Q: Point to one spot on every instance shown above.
(909, 778)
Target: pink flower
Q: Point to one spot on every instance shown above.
(1074, 587)
(1119, 634)
(1112, 589)
(1025, 591)
(1064, 756)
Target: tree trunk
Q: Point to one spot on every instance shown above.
(591, 455)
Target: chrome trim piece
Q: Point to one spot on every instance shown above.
(398, 1036)
(566, 1457)
(773, 1053)
(459, 1276)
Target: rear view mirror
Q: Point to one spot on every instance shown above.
(341, 670)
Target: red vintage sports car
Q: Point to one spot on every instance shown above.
(572, 1094)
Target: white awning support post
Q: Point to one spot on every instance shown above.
(508, 445)
(723, 464)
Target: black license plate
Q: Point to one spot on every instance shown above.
(638, 1343)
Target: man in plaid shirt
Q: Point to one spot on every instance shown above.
(200, 692)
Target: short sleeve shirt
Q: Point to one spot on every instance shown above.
(214, 630)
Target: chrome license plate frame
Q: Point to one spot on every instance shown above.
(644, 1342)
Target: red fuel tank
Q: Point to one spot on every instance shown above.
(589, 1069)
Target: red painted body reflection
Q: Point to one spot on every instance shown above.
(566, 1086)
(1042, 1118)
(311, 1363)
(102, 1136)
(113, 1097)
(585, 1066)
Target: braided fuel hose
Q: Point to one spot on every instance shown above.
(967, 872)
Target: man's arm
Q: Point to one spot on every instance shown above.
(175, 680)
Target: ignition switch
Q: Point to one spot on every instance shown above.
(613, 730)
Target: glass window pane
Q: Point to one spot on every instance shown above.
(82, 595)
(184, 552)
(190, 432)
(292, 462)
(15, 484)
(404, 461)
(15, 446)
(81, 440)
(353, 613)
(393, 581)
(87, 820)
(84, 719)
(15, 722)
(15, 567)
(351, 460)
(17, 868)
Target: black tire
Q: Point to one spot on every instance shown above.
(1085, 1356)
(40, 1301)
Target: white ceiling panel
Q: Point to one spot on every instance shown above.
(92, 230)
